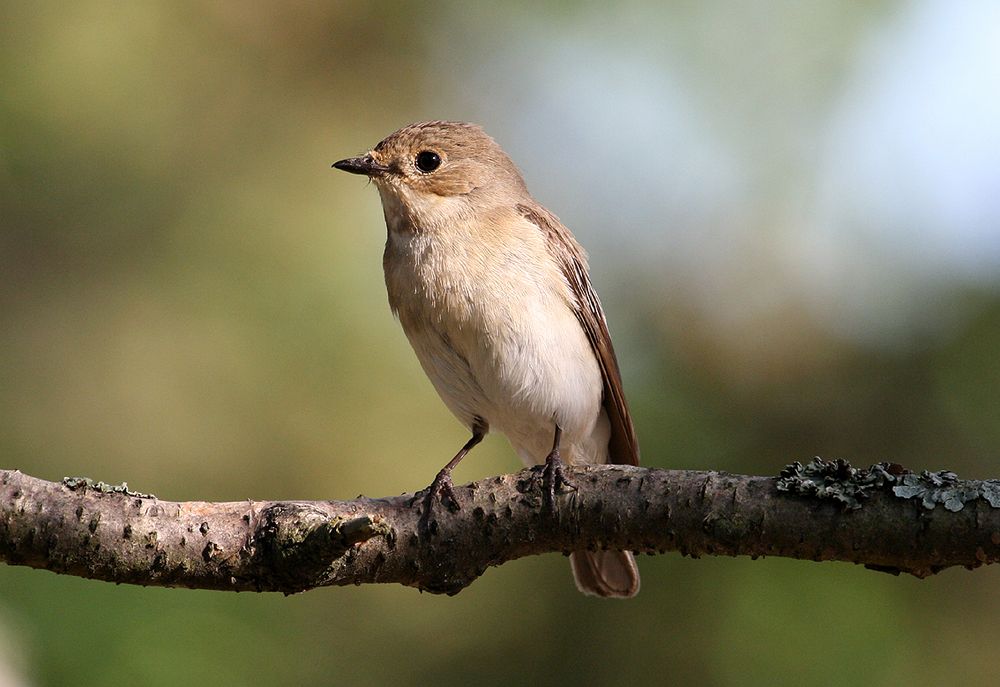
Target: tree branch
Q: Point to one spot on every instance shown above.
(883, 517)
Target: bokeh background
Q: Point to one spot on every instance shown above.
(793, 215)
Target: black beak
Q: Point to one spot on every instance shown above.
(361, 165)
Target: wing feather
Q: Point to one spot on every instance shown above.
(623, 447)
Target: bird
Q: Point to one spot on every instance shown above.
(494, 295)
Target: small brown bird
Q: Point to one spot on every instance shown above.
(494, 295)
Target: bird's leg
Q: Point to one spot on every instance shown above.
(442, 488)
(553, 476)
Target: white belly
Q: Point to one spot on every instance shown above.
(503, 345)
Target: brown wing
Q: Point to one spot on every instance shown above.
(623, 447)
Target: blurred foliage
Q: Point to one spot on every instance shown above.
(190, 301)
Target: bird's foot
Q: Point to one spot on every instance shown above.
(554, 478)
(441, 490)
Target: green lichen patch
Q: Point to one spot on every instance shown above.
(839, 481)
(945, 488)
(990, 490)
(836, 480)
(75, 483)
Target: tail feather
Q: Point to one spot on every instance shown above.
(609, 574)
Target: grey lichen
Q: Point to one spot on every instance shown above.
(74, 483)
(839, 481)
(836, 480)
(945, 488)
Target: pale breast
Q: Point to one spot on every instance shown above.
(488, 314)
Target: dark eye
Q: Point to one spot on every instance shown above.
(427, 161)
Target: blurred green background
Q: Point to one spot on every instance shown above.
(793, 219)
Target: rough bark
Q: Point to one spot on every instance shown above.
(886, 519)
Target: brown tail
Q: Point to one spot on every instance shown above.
(611, 574)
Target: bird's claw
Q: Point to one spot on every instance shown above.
(554, 478)
(440, 490)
